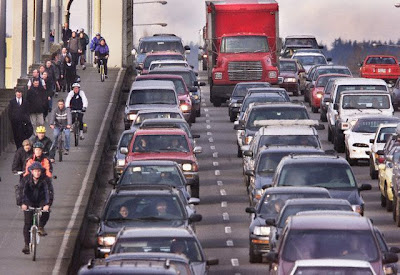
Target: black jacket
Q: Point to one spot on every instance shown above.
(69, 72)
(47, 150)
(18, 113)
(37, 100)
(36, 195)
(20, 158)
(66, 35)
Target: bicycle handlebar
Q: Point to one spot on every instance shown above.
(18, 173)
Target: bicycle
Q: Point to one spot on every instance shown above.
(77, 125)
(60, 144)
(102, 74)
(34, 231)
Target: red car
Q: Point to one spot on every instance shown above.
(384, 67)
(167, 144)
(317, 90)
(185, 102)
(167, 55)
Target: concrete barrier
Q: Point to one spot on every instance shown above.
(6, 135)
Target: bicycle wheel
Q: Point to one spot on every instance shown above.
(33, 242)
(76, 132)
(60, 148)
(102, 76)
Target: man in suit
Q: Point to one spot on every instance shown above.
(18, 113)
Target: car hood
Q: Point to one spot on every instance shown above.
(287, 74)
(199, 267)
(244, 56)
(113, 227)
(352, 195)
(348, 114)
(176, 156)
(138, 107)
(360, 137)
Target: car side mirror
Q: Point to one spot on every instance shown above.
(248, 153)
(272, 257)
(196, 83)
(123, 150)
(389, 257)
(195, 218)
(187, 48)
(336, 106)
(196, 136)
(365, 187)
(249, 173)
(197, 150)
(394, 249)
(371, 140)
(270, 222)
(250, 210)
(212, 261)
(194, 201)
(266, 186)
(93, 218)
(320, 47)
(112, 182)
(360, 64)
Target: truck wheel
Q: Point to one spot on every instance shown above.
(195, 190)
(323, 117)
(372, 172)
(239, 152)
(254, 258)
(338, 143)
(351, 161)
(232, 117)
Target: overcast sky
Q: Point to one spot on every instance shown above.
(327, 19)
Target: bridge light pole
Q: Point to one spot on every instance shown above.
(3, 21)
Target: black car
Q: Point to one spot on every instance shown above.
(268, 208)
(331, 172)
(149, 207)
(238, 94)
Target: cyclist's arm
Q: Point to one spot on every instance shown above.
(68, 99)
(69, 117)
(84, 99)
(52, 118)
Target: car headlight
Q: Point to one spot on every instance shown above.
(248, 139)
(106, 240)
(262, 230)
(319, 95)
(185, 107)
(272, 74)
(258, 193)
(121, 162)
(357, 208)
(187, 167)
(218, 75)
(132, 117)
(290, 80)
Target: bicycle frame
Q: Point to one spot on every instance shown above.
(34, 234)
(76, 125)
(102, 75)
(60, 143)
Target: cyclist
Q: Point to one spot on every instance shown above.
(77, 100)
(95, 42)
(101, 53)
(41, 137)
(61, 119)
(35, 190)
(39, 157)
(21, 156)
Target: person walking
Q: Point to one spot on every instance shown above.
(55, 61)
(21, 156)
(63, 54)
(37, 103)
(101, 53)
(66, 34)
(61, 120)
(84, 41)
(18, 113)
(74, 47)
(35, 75)
(69, 72)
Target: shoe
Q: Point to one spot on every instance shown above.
(98, 70)
(66, 152)
(26, 249)
(41, 231)
(106, 76)
(83, 67)
(81, 136)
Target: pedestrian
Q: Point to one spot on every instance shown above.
(101, 53)
(83, 44)
(63, 54)
(42, 68)
(49, 93)
(95, 42)
(37, 102)
(21, 156)
(35, 74)
(52, 34)
(69, 73)
(56, 63)
(66, 34)
(18, 113)
(74, 48)
(47, 150)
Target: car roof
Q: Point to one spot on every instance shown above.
(160, 131)
(153, 84)
(289, 130)
(378, 117)
(145, 189)
(313, 158)
(333, 263)
(329, 222)
(296, 190)
(323, 201)
(159, 256)
(252, 83)
(249, 90)
(163, 53)
(166, 121)
(333, 75)
(276, 105)
(160, 76)
(300, 36)
(288, 60)
(306, 54)
(158, 232)
(160, 38)
(359, 81)
(290, 149)
(328, 212)
(388, 125)
(169, 61)
(381, 55)
(364, 92)
(171, 69)
(151, 163)
(323, 66)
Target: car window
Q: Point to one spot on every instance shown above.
(160, 46)
(381, 60)
(151, 174)
(321, 71)
(142, 117)
(191, 248)
(160, 143)
(310, 60)
(126, 139)
(241, 89)
(313, 270)
(151, 58)
(275, 114)
(288, 66)
(153, 96)
(309, 140)
(343, 244)
(366, 102)
(342, 88)
(270, 97)
(369, 126)
(297, 41)
(328, 175)
(385, 133)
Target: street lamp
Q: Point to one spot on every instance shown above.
(152, 24)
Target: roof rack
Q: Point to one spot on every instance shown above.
(295, 122)
(164, 34)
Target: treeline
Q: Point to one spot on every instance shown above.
(351, 53)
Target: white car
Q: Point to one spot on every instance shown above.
(383, 132)
(310, 59)
(167, 63)
(332, 266)
(357, 138)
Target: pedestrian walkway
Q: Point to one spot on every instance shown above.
(74, 174)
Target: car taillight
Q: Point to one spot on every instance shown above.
(320, 95)
(195, 167)
(380, 158)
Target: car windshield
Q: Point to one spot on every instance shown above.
(179, 84)
(381, 60)
(144, 207)
(242, 88)
(270, 97)
(321, 71)
(385, 133)
(125, 140)
(153, 96)
(160, 143)
(301, 41)
(276, 113)
(307, 60)
(342, 88)
(142, 117)
(287, 66)
(187, 76)
(151, 58)
(332, 244)
(329, 84)
(366, 102)
(161, 46)
(291, 210)
(315, 270)
(151, 174)
(323, 80)
(323, 174)
(370, 125)
(183, 125)
(244, 44)
(190, 247)
(309, 140)
(273, 203)
(169, 64)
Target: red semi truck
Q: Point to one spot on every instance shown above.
(242, 44)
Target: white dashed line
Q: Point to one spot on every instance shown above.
(222, 192)
(225, 216)
(228, 230)
(208, 121)
(209, 134)
(211, 140)
(215, 155)
(203, 104)
(235, 262)
(205, 110)
(217, 172)
(215, 163)
(212, 147)
(224, 204)
(229, 243)
(208, 126)
(207, 115)
(219, 182)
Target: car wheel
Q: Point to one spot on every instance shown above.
(306, 97)
(351, 161)
(394, 212)
(338, 143)
(195, 190)
(254, 258)
(239, 152)
(314, 109)
(296, 92)
(198, 113)
(389, 204)
(383, 200)
(329, 134)
(323, 117)
(372, 172)
(232, 117)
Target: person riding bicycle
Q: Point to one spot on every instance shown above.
(21, 156)
(35, 190)
(38, 156)
(48, 151)
(77, 100)
(101, 53)
(61, 119)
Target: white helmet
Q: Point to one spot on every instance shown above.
(76, 85)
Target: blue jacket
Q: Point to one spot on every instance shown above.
(94, 43)
(101, 51)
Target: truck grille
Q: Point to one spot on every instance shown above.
(245, 70)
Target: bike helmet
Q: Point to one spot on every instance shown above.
(40, 129)
(35, 166)
(38, 145)
(76, 85)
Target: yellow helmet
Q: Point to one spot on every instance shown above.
(40, 129)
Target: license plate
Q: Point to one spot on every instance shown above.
(381, 70)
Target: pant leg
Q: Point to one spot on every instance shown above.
(105, 65)
(56, 134)
(28, 217)
(16, 127)
(67, 139)
(44, 218)
(80, 118)
(34, 122)
(40, 119)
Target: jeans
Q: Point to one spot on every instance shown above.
(28, 218)
(37, 119)
(56, 133)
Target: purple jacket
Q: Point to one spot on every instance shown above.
(101, 51)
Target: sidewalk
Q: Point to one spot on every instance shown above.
(72, 187)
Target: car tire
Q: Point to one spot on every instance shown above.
(338, 143)
(397, 220)
(314, 109)
(329, 134)
(383, 200)
(239, 152)
(372, 172)
(232, 118)
(306, 97)
(323, 117)
(198, 113)
(389, 204)
(195, 190)
(351, 161)
(297, 91)
(394, 212)
(254, 258)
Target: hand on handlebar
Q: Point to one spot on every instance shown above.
(83, 109)
(24, 207)
(46, 208)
